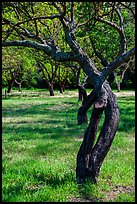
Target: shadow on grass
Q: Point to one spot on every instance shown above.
(127, 119)
(29, 133)
(64, 120)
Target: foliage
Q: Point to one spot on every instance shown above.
(18, 24)
(20, 61)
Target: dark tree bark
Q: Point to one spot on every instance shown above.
(62, 87)
(61, 79)
(12, 80)
(51, 90)
(118, 85)
(19, 85)
(90, 155)
(10, 84)
(82, 97)
(82, 93)
(49, 79)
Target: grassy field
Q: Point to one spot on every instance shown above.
(40, 142)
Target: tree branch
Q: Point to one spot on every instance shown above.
(82, 58)
(33, 19)
(128, 7)
(55, 52)
(104, 61)
(108, 23)
(72, 11)
(123, 43)
(116, 63)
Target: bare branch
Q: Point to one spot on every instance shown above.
(119, 29)
(82, 24)
(104, 61)
(72, 11)
(55, 52)
(122, 34)
(108, 23)
(41, 64)
(63, 13)
(32, 19)
(35, 21)
(116, 63)
(128, 7)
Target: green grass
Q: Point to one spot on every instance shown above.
(40, 143)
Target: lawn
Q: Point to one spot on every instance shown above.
(40, 142)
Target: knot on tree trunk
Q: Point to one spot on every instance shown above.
(101, 101)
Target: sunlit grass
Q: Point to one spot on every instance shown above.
(40, 143)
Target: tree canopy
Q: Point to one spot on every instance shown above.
(63, 30)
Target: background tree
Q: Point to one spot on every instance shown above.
(26, 24)
(17, 66)
(80, 80)
(64, 76)
(49, 70)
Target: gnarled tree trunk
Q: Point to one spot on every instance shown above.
(90, 155)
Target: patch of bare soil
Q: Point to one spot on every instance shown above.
(80, 199)
(111, 195)
(125, 93)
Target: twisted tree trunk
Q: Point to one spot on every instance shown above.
(90, 155)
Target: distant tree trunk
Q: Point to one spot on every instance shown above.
(82, 94)
(118, 86)
(19, 85)
(51, 90)
(61, 87)
(82, 97)
(5, 94)
(49, 79)
(14, 75)
(90, 156)
(10, 84)
(62, 78)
